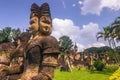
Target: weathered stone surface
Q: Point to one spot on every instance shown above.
(42, 50)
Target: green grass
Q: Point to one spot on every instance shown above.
(82, 74)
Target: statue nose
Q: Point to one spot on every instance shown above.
(29, 26)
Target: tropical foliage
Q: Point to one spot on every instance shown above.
(111, 33)
(7, 34)
(116, 28)
(99, 65)
(98, 49)
(65, 44)
(15, 33)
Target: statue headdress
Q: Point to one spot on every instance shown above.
(45, 10)
(35, 10)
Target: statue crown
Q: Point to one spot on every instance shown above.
(43, 10)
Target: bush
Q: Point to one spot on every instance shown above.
(115, 75)
(99, 65)
(111, 69)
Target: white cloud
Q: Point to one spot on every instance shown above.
(84, 37)
(112, 4)
(80, 2)
(91, 6)
(74, 5)
(88, 33)
(65, 27)
(80, 47)
(96, 6)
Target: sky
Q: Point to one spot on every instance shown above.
(78, 19)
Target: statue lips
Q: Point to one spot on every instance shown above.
(31, 30)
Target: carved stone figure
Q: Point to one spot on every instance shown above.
(42, 50)
(88, 60)
(11, 69)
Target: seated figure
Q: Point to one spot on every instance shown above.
(11, 69)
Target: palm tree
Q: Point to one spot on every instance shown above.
(111, 34)
(116, 28)
(105, 34)
(108, 35)
(116, 31)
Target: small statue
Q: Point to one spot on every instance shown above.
(42, 50)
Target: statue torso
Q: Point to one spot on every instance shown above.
(35, 50)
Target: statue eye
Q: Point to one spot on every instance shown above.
(31, 22)
(46, 20)
(43, 19)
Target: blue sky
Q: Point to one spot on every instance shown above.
(79, 19)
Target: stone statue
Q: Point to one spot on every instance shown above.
(42, 49)
(14, 65)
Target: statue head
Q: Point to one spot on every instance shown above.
(22, 39)
(40, 19)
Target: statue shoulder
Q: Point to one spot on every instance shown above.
(50, 38)
(33, 43)
(50, 45)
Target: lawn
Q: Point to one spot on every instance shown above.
(82, 74)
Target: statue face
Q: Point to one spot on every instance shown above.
(45, 25)
(34, 26)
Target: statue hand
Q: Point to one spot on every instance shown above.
(3, 68)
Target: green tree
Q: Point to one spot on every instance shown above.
(98, 49)
(116, 35)
(7, 34)
(116, 28)
(105, 34)
(65, 44)
(118, 49)
(92, 50)
(15, 33)
(1, 36)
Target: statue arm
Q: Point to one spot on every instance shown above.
(49, 60)
(15, 67)
(5, 63)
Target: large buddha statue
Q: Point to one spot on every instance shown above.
(42, 50)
